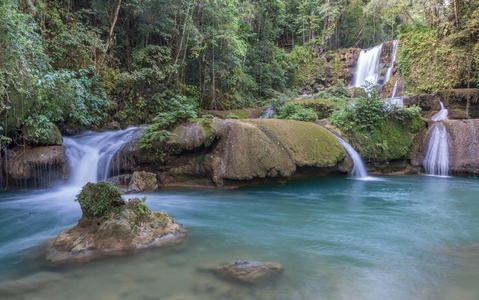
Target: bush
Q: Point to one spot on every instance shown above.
(296, 111)
(100, 200)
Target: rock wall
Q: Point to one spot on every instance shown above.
(38, 166)
(463, 146)
(228, 153)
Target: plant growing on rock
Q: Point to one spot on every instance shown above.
(100, 200)
(296, 111)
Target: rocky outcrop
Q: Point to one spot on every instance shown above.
(348, 59)
(39, 166)
(429, 103)
(142, 181)
(227, 153)
(251, 272)
(463, 144)
(129, 230)
(461, 103)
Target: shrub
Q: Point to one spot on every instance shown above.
(100, 200)
(296, 111)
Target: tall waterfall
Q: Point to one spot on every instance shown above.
(393, 94)
(359, 169)
(437, 155)
(90, 154)
(367, 66)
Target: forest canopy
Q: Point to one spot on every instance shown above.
(74, 63)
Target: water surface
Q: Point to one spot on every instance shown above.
(412, 237)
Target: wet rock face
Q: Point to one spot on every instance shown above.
(41, 166)
(462, 103)
(463, 146)
(348, 59)
(251, 272)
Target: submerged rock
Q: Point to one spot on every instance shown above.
(252, 272)
(28, 284)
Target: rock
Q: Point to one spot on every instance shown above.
(462, 103)
(28, 284)
(51, 136)
(109, 227)
(463, 146)
(250, 271)
(120, 181)
(348, 58)
(112, 126)
(40, 166)
(429, 103)
(143, 181)
(226, 153)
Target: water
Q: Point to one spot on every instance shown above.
(436, 161)
(90, 154)
(409, 237)
(393, 94)
(268, 113)
(367, 66)
(359, 169)
(396, 101)
(389, 72)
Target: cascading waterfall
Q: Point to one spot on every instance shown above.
(269, 112)
(389, 72)
(367, 66)
(437, 155)
(90, 154)
(359, 169)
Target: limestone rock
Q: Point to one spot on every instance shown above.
(117, 235)
(143, 181)
(250, 271)
(227, 153)
(43, 165)
(463, 146)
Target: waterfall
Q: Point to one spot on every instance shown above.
(389, 72)
(90, 154)
(367, 66)
(359, 169)
(437, 155)
(268, 113)
(393, 94)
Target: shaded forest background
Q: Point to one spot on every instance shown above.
(74, 63)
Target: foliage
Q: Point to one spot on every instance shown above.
(100, 200)
(142, 207)
(296, 111)
(379, 131)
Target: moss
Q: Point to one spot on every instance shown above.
(322, 107)
(308, 144)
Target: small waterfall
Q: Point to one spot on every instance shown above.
(393, 94)
(90, 154)
(359, 169)
(268, 113)
(389, 72)
(367, 66)
(437, 155)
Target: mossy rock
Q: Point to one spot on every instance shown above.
(53, 136)
(322, 107)
(100, 200)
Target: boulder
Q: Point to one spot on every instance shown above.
(142, 181)
(109, 226)
(228, 153)
(251, 272)
(463, 146)
(40, 166)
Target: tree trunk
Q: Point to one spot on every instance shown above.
(110, 34)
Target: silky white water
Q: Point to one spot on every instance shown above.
(90, 154)
(436, 161)
(367, 66)
(389, 72)
(359, 169)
